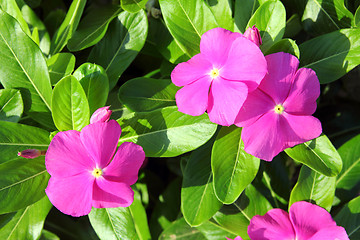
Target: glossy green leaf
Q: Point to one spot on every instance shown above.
(22, 182)
(313, 187)
(68, 26)
(270, 19)
(133, 6)
(243, 11)
(213, 231)
(18, 70)
(16, 137)
(285, 45)
(70, 105)
(350, 173)
(318, 154)
(236, 217)
(356, 19)
(166, 132)
(147, 94)
(198, 199)
(138, 213)
(222, 11)
(95, 83)
(324, 16)
(60, 65)
(233, 169)
(180, 230)
(11, 7)
(92, 27)
(124, 39)
(28, 222)
(331, 55)
(187, 21)
(53, 20)
(349, 218)
(11, 105)
(46, 235)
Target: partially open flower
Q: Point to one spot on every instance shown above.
(31, 153)
(101, 115)
(253, 35)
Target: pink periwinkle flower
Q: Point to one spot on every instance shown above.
(253, 34)
(31, 153)
(219, 78)
(277, 115)
(101, 115)
(237, 238)
(305, 221)
(87, 171)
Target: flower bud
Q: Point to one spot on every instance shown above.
(101, 115)
(31, 153)
(253, 35)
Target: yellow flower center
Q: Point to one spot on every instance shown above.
(97, 172)
(214, 73)
(279, 109)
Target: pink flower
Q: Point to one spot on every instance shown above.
(219, 78)
(277, 115)
(237, 238)
(253, 34)
(86, 172)
(101, 115)
(305, 221)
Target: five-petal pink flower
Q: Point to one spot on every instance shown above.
(305, 221)
(87, 171)
(219, 78)
(277, 115)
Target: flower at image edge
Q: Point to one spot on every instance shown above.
(87, 171)
(219, 78)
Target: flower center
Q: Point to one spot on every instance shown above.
(279, 109)
(214, 73)
(97, 172)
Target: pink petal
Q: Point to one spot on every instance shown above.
(111, 194)
(308, 219)
(225, 100)
(281, 70)
(336, 233)
(237, 238)
(256, 105)
(66, 156)
(193, 98)
(215, 45)
(71, 195)
(304, 92)
(274, 225)
(126, 164)
(187, 72)
(100, 140)
(245, 63)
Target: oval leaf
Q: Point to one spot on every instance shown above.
(181, 230)
(232, 167)
(70, 106)
(222, 11)
(11, 105)
(133, 6)
(349, 218)
(60, 65)
(166, 132)
(285, 45)
(138, 214)
(11, 7)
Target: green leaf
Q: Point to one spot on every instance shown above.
(18, 70)
(28, 222)
(95, 83)
(124, 39)
(187, 21)
(22, 182)
(181, 230)
(324, 16)
(11, 105)
(356, 19)
(198, 199)
(147, 94)
(243, 11)
(46, 235)
(313, 187)
(318, 154)
(11, 7)
(232, 167)
(166, 132)
(350, 173)
(133, 6)
(349, 218)
(213, 231)
(68, 26)
(92, 27)
(236, 217)
(113, 223)
(70, 106)
(270, 19)
(16, 137)
(332, 55)
(60, 65)
(138, 213)
(222, 11)
(285, 45)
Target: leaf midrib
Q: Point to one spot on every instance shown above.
(23, 180)
(187, 16)
(323, 10)
(348, 170)
(18, 222)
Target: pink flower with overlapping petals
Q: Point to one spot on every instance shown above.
(237, 238)
(277, 115)
(305, 221)
(87, 171)
(219, 78)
